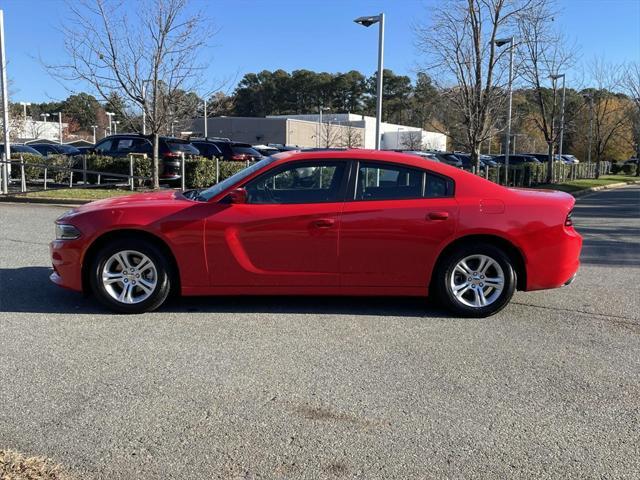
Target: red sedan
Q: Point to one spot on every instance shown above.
(323, 223)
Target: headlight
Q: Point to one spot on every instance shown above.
(66, 232)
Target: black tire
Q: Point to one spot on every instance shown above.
(162, 268)
(442, 280)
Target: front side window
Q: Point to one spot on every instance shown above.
(316, 182)
(388, 182)
(104, 147)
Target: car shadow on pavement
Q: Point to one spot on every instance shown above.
(29, 290)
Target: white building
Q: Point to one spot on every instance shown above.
(35, 129)
(393, 136)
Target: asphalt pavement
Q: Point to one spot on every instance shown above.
(327, 387)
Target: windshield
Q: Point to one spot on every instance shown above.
(211, 192)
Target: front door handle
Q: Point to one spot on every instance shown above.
(438, 215)
(324, 222)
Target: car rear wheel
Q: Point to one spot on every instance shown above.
(130, 276)
(475, 280)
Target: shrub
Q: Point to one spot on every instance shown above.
(105, 165)
(616, 167)
(200, 172)
(629, 169)
(31, 173)
(228, 169)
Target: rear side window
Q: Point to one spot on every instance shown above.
(104, 147)
(437, 186)
(387, 182)
(238, 149)
(182, 147)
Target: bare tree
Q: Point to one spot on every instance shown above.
(465, 63)
(411, 140)
(610, 115)
(329, 135)
(351, 136)
(147, 61)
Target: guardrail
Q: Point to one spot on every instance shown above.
(84, 171)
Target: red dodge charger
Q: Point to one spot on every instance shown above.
(353, 222)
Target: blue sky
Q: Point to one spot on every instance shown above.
(254, 35)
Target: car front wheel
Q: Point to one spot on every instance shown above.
(130, 276)
(476, 280)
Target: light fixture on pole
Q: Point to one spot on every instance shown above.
(94, 133)
(115, 127)
(45, 116)
(24, 109)
(110, 115)
(59, 126)
(589, 97)
(367, 22)
(500, 43)
(555, 78)
(205, 118)
(5, 109)
(320, 110)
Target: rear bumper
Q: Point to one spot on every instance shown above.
(557, 263)
(66, 262)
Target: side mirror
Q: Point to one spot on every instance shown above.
(238, 195)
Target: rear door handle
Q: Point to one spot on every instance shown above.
(438, 215)
(324, 222)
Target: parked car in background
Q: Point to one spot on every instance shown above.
(170, 150)
(517, 159)
(354, 222)
(631, 161)
(570, 159)
(17, 149)
(47, 149)
(449, 158)
(425, 155)
(485, 161)
(235, 151)
(207, 148)
(266, 150)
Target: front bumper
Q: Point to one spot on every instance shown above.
(66, 259)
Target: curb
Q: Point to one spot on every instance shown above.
(61, 202)
(611, 186)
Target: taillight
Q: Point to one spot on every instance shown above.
(569, 221)
(172, 154)
(239, 156)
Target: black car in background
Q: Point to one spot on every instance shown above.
(449, 158)
(17, 149)
(47, 149)
(485, 161)
(517, 159)
(236, 151)
(207, 148)
(170, 150)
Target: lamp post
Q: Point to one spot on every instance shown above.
(94, 133)
(24, 109)
(144, 107)
(110, 115)
(320, 110)
(59, 126)
(205, 118)
(555, 78)
(367, 22)
(499, 43)
(44, 116)
(115, 127)
(5, 108)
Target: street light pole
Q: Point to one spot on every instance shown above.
(94, 133)
(556, 77)
(115, 127)
(367, 22)
(5, 108)
(110, 115)
(24, 109)
(144, 108)
(205, 118)
(500, 43)
(59, 126)
(44, 116)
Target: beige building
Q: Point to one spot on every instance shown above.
(281, 130)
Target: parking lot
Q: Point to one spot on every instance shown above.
(327, 387)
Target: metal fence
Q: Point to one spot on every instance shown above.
(76, 174)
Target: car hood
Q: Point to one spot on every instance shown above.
(146, 199)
